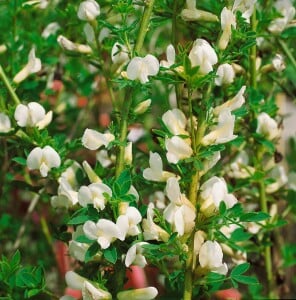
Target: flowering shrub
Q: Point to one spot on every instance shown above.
(142, 138)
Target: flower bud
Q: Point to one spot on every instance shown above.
(88, 10)
(68, 45)
(92, 176)
(142, 107)
(267, 126)
(147, 293)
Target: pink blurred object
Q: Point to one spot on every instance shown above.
(230, 294)
(136, 278)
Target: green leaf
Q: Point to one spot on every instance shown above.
(245, 279)
(83, 239)
(222, 208)
(110, 254)
(254, 217)
(240, 235)
(16, 259)
(20, 160)
(240, 269)
(78, 220)
(32, 292)
(92, 251)
(122, 184)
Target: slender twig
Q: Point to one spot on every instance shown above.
(8, 86)
(288, 52)
(31, 208)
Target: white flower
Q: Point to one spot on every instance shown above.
(33, 66)
(158, 198)
(279, 175)
(155, 172)
(31, 115)
(267, 126)
(147, 293)
(89, 290)
(228, 21)
(192, 14)
(104, 159)
(139, 68)
(287, 10)
(135, 133)
(175, 121)
(104, 232)
(5, 124)
(236, 102)
(152, 231)
(94, 194)
(43, 159)
(246, 7)
(88, 10)
(198, 241)
(213, 192)
(180, 213)
(50, 29)
(67, 197)
(142, 107)
(239, 168)
(203, 55)
(177, 149)
(134, 255)
(225, 75)
(93, 139)
(171, 56)
(211, 256)
(119, 54)
(128, 222)
(278, 63)
(77, 249)
(223, 131)
(68, 45)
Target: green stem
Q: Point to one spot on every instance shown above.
(261, 184)
(253, 54)
(8, 86)
(267, 249)
(128, 94)
(288, 52)
(144, 25)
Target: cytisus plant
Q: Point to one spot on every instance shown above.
(150, 130)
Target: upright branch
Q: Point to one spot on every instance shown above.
(128, 94)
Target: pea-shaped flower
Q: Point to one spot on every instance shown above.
(33, 66)
(93, 139)
(140, 68)
(104, 231)
(88, 10)
(43, 159)
(211, 256)
(134, 255)
(225, 75)
(90, 290)
(31, 115)
(5, 124)
(203, 55)
(177, 149)
(267, 126)
(228, 20)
